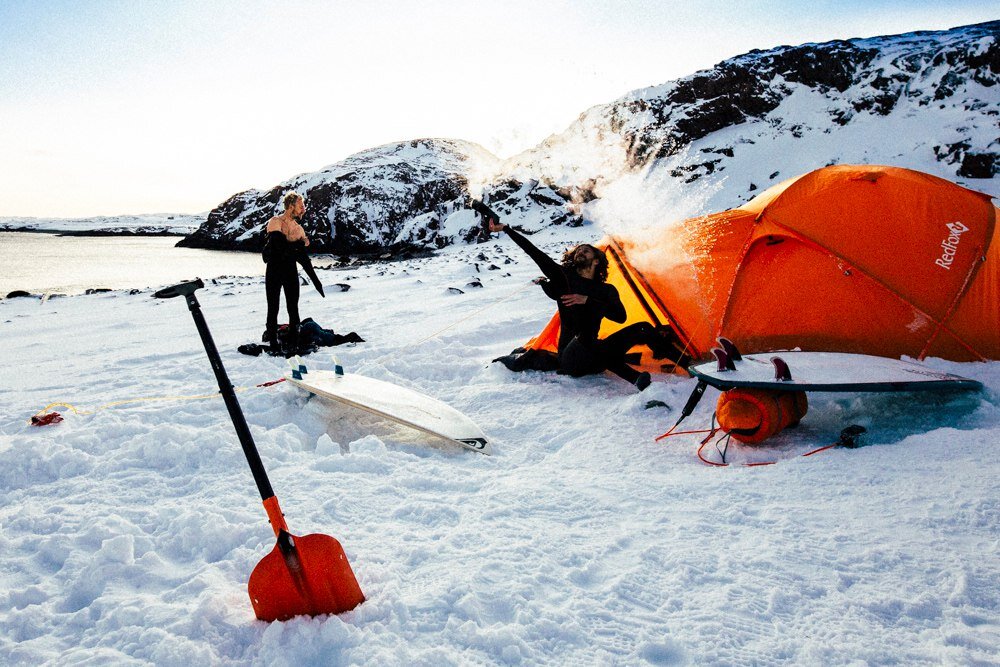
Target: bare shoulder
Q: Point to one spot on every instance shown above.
(274, 225)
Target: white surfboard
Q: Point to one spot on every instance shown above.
(829, 371)
(393, 402)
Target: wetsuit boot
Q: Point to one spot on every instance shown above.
(291, 342)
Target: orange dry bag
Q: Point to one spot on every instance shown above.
(753, 415)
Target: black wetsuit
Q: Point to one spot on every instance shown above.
(282, 275)
(580, 350)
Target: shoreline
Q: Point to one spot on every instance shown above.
(94, 232)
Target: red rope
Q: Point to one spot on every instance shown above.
(46, 419)
(671, 433)
(753, 465)
(706, 461)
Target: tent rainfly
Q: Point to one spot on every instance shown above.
(851, 258)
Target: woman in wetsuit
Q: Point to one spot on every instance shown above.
(284, 236)
(584, 299)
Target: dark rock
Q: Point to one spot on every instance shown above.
(18, 294)
(455, 290)
(97, 290)
(979, 165)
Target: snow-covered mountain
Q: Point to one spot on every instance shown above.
(405, 195)
(923, 100)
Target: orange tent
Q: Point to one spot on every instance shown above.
(866, 259)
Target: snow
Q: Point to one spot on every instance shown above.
(127, 534)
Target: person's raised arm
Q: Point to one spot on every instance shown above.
(550, 268)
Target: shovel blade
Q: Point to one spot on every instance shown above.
(306, 575)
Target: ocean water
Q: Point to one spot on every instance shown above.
(51, 264)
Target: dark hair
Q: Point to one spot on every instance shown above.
(600, 271)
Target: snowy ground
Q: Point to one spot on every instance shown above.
(127, 535)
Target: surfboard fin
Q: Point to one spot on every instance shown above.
(298, 368)
(725, 361)
(781, 370)
(337, 368)
(730, 348)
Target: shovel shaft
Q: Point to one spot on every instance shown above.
(229, 396)
(275, 515)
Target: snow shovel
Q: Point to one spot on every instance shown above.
(306, 575)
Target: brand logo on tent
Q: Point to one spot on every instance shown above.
(950, 245)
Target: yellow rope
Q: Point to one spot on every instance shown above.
(147, 399)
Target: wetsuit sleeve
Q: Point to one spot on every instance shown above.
(550, 269)
(610, 304)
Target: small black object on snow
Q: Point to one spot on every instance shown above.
(655, 404)
(474, 283)
(343, 287)
(455, 290)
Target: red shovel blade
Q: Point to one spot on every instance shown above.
(306, 575)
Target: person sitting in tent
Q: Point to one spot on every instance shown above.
(584, 299)
(284, 237)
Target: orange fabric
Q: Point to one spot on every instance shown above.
(754, 415)
(867, 259)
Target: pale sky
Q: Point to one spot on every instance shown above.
(153, 106)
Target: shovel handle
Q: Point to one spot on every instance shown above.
(187, 290)
(180, 289)
(275, 516)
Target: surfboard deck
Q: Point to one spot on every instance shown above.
(395, 403)
(830, 371)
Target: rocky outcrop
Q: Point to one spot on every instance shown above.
(397, 197)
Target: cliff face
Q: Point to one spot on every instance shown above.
(925, 100)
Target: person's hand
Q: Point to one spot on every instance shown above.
(306, 239)
(496, 225)
(573, 299)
